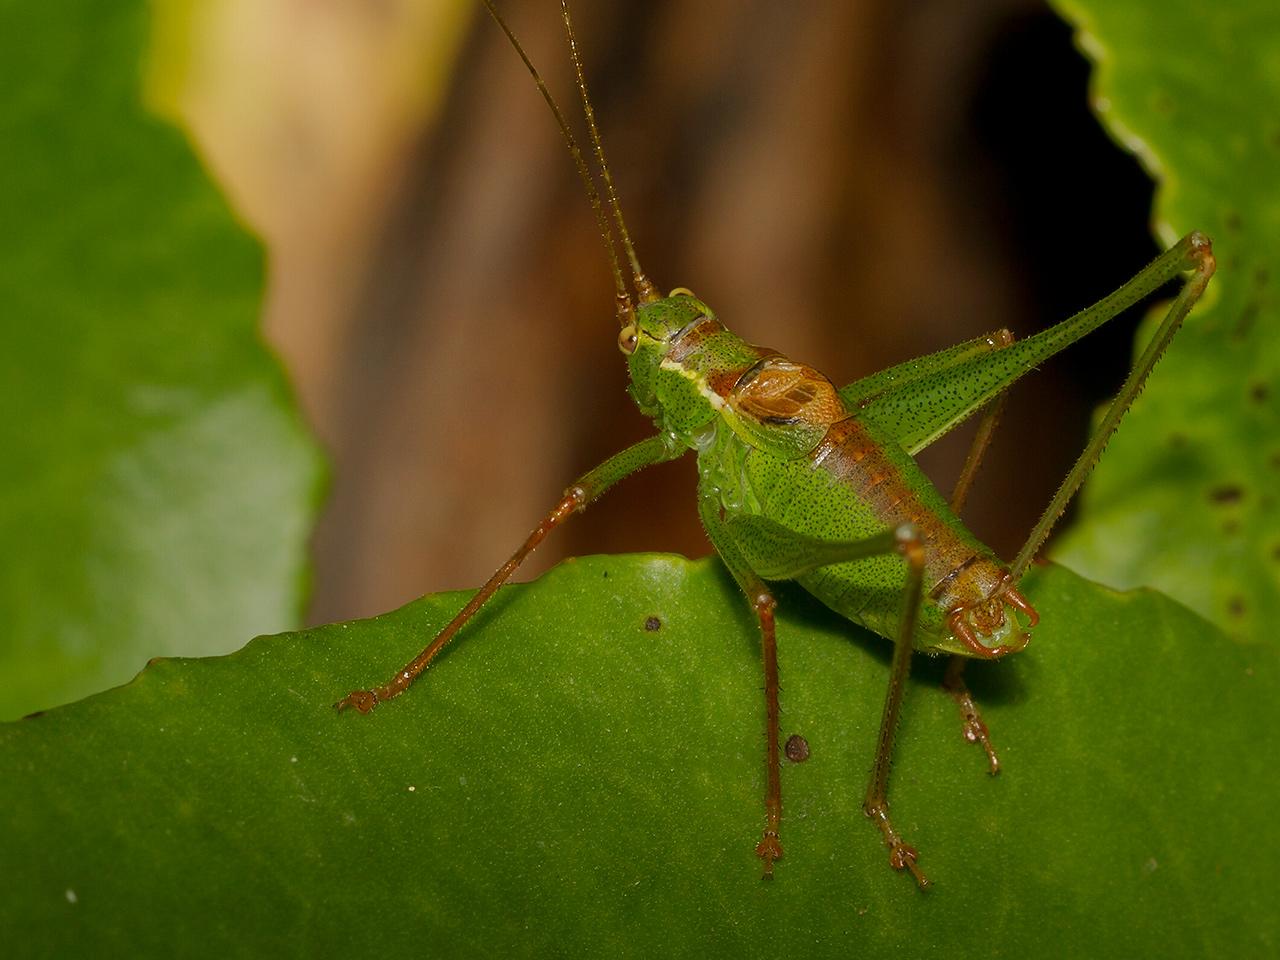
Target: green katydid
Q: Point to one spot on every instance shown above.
(799, 480)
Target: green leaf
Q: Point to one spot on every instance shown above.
(158, 489)
(569, 781)
(1185, 498)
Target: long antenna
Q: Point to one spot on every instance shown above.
(644, 287)
(625, 308)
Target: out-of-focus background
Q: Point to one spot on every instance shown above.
(853, 183)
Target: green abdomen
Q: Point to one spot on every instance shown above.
(854, 485)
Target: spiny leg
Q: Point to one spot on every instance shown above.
(974, 727)
(769, 849)
(876, 805)
(1192, 252)
(589, 487)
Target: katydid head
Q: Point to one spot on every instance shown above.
(648, 337)
(660, 322)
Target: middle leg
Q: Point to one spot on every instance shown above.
(876, 806)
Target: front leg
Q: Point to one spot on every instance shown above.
(588, 488)
(769, 849)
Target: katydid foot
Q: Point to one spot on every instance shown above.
(362, 700)
(366, 700)
(902, 856)
(974, 728)
(769, 849)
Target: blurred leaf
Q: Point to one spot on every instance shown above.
(158, 489)
(567, 782)
(1186, 497)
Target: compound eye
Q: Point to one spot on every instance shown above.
(627, 339)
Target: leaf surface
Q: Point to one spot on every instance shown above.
(157, 488)
(1185, 498)
(571, 781)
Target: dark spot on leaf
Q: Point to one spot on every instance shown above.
(1275, 460)
(32, 716)
(1235, 606)
(796, 749)
(1232, 221)
(606, 574)
(1259, 392)
(1178, 439)
(1247, 317)
(1275, 553)
(1231, 527)
(652, 624)
(1227, 493)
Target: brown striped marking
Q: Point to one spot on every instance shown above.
(689, 340)
(958, 575)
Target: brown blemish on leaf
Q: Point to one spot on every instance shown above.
(1236, 606)
(796, 748)
(1227, 493)
(652, 624)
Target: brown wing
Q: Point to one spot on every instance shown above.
(780, 391)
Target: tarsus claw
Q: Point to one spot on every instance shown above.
(769, 849)
(903, 857)
(362, 700)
